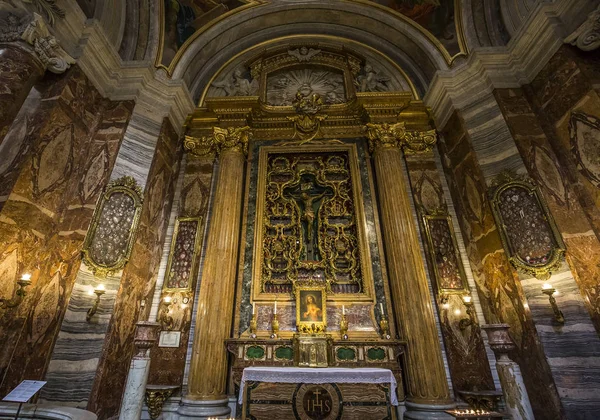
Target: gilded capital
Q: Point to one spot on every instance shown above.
(385, 135)
(230, 138)
(418, 141)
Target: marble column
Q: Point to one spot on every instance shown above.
(207, 395)
(133, 398)
(513, 387)
(428, 393)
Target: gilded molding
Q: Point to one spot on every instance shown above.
(396, 135)
(222, 139)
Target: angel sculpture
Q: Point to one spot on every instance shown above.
(303, 53)
(370, 81)
(238, 85)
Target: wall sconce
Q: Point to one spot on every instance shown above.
(468, 321)
(19, 294)
(98, 291)
(444, 302)
(165, 319)
(549, 291)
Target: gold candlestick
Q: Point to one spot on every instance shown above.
(253, 326)
(384, 326)
(344, 327)
(274, 326)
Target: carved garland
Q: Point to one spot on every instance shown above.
(528, 232)
(107, 246)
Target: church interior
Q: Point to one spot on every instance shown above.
(300, 209)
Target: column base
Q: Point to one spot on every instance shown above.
(203, 409)
(416, 411)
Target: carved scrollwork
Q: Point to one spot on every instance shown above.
(109, 241)
(587, 36)
(396, 135)
(527, 230)
(36, 34)
(230, 138)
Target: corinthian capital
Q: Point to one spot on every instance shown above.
(221, 139)
(395, 135)
(385, 135)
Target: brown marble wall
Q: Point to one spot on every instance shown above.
(498, 286)
(74, 139)
(545, 167)
(467, 359)
(139, 276)
(168, 364)
(19, 71)
(561, 147)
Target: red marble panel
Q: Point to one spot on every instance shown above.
(467, 360)
(168, 364)
(43, 222)
(560, 192)
(139, 276)
(498, 286)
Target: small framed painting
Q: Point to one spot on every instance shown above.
(311, 310)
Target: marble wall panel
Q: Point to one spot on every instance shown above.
(19, 71)
(543, 164)
(575, 344)
(44, 219)
(564, 97)
(465, 350)
(499, 290)
(168, 364)
(139, 276)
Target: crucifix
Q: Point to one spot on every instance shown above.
(309, 197)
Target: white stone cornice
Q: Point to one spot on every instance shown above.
(139, 80)
(515, 65)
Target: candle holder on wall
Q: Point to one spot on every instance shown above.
(470, 319)
(549, 291)
(98, 291)
(165, 319)
(19, 294)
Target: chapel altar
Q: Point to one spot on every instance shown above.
(311, 217)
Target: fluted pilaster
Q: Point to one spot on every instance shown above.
(413, 307)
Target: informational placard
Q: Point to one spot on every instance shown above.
(24, 391)
(169, 339)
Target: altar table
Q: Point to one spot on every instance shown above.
(317, 393)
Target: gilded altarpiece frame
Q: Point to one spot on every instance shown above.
(313, 269)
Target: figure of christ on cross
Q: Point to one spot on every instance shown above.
(309, 197)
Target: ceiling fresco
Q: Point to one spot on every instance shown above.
(183, 18)
(436, 16)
